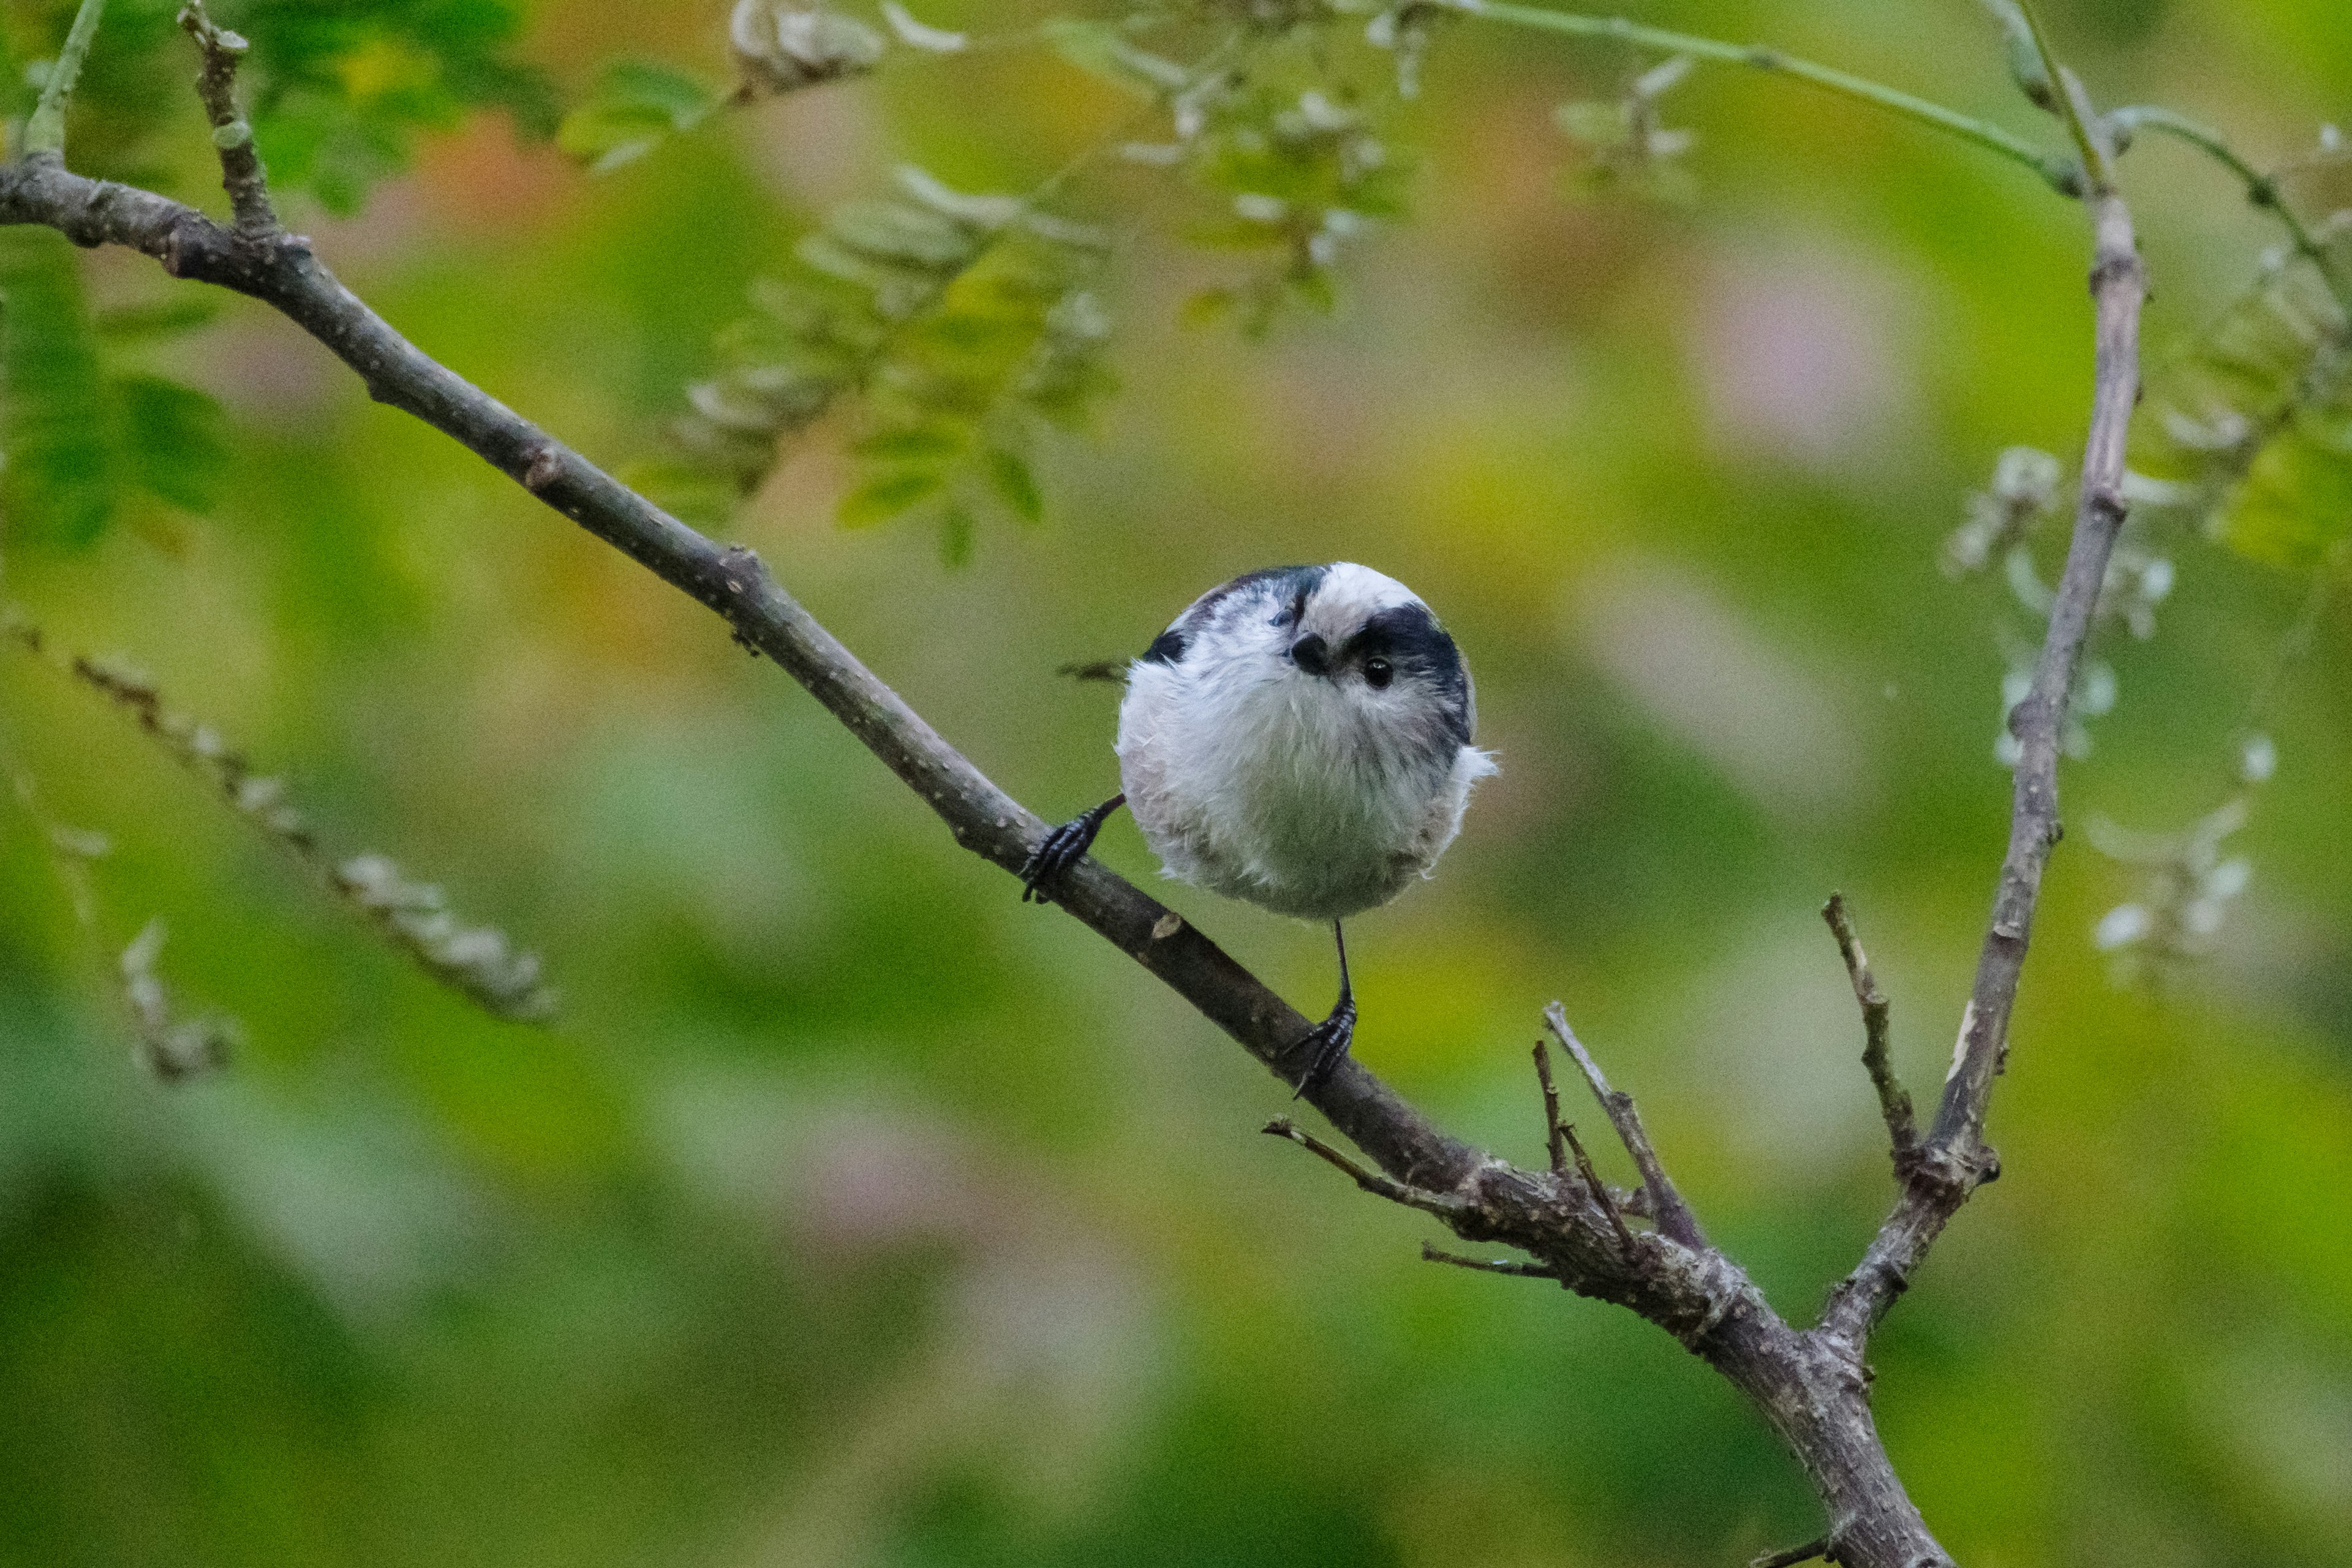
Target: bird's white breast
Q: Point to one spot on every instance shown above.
(1264, 784)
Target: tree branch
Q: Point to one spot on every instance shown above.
(1757, 56)
(1673, 1216)
(2262, 189)
(1445, 1205)
(1489, 1265)
(241, 172)
(1955, 1160)
(1553, 1143)
(1893, 1103)
(45, 130)
(2072, 108)
(1810, 1387)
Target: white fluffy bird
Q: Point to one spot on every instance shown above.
(1299, 738)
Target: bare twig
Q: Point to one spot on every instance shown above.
(1673, 1216)
(1603, 1194)
(1445, 1204)
(1489, 1265)
(241, 172)
(1893, 1101)
(1558, 1149)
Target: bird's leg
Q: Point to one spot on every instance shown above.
(1063, 848)
(1328, 1041)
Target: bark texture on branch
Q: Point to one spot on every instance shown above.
(1809, 1386)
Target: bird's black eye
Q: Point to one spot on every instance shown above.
(1378, 672)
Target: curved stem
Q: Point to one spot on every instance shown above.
(2262, 189)
(44, 133)
(1756, 57)
(2066, 92)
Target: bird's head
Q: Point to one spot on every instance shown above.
(1370, 641)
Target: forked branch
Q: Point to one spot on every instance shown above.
(1673, 1216)
(1806, 1386)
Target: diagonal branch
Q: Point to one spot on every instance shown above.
(1673, 1216)
(1696, 1294)
(1509, 1266)
(1893, 1103)
(1954, 1159)
(1445, 1205)
(1807, 1386)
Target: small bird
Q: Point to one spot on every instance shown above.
(1299, 738)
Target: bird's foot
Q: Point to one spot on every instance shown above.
(1325, 1046)
(1061, 849)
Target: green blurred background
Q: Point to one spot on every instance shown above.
(854, 1213)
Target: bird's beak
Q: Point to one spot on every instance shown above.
(1312, 654)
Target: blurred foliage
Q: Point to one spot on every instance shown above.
(2251, 423)
(78, 440)
(339, 89)
(636, 105)
(854, 1213)
(967, 321)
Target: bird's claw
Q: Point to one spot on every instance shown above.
(1325, 1046)
(1052, 859)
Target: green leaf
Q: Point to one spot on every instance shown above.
(1009, 473)
(340, 93)
(890, 493)
(946, 314)
(2296, 502)
(636, 105)
(173, 440)
(2249, 423)
(55, 422)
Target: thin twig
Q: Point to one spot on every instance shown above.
(1558, 1149)
(1756, 57)
(2069, 107)
(2262, 189)
(241, 172)
(44, 131)
(1794, 1554)
(1489, 1265)
(1443, 1204)
(1893, 1101)
(478, 962)
(1673, 1216)
(1601, 1191)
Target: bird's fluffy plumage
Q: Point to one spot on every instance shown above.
(1299, 780)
